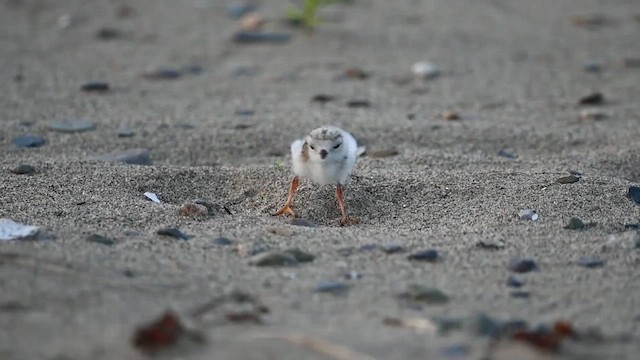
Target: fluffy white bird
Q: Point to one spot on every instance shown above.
(325, 156)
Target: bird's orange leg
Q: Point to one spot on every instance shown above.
(286, 209)
(345, 220)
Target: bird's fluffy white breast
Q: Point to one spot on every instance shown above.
(296, 156)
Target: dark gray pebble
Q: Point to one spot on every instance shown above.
(31, 141)
(368, 247)
(95, 86)
(273, 258)
(193, 69)
(222, 241)
(300, 255)
(490, 244)
(72, 126)
(430, 255)
(174, 233)
(331, 287)
(245, 112)
(568, 179)
(522, 265)
(520, 294)
(424, 294)
(162, 74)
(513, 281)
(133, 157)
(592, 67)
(107, 33)
(506, 153)
(125, 131)
(359, 103)
(634, 194)
(392, 248)
(252, 37)
(95, 238)
(322, 98)
(302, 222)
(591, 262)
(22, 169)
(592, 99)
(575, 224)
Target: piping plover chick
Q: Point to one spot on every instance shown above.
(325, 156)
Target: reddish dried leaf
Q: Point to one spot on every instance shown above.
(162, 333)
(563, 328)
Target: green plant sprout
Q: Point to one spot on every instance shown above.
(307, 16)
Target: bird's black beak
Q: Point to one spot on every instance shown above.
(323, 153)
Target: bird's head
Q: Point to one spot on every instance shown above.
(325, 143)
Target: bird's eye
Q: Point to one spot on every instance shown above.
(312, 147)
(337, 146)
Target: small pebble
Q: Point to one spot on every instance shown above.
(430, 255)
(358, 103)
(281, 231)
(633, 194)
(355, 73)
(95, 238)
(392, 248)
(322, 98)
(193, 210)
(152, 196)
(107, 33)
(513, 281)
(455, 351)
(331, 287)
(72, 126)
(506, 153)
(368, 247)
(352, 275)
(302, 222)
(631, 63)
(378, 154)
(528, 214)
(245, 112)
(95, 86)
(520, 294)
(222, 241)
(591, 262)
(173, 232)
(133, 157)
(125, 131)
(252, 22)
(193, 69)
(451, 115)
(590, 21)
(575, 224)
(299, 255)
(522, 265)
(490, 244)
(254, 37)
(273, 258)
(592, 99)
(592, 115)
(30, 141)
(22, 169)
(568, 179)
(593, 67)
(424, 294)
(425, 70)
(162, 74)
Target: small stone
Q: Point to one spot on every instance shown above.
(11, 230)
(507, 153)
(162, 74)
(513, 281)
(107, 33)
(430, 255)
(429, 295)
(593, 67)
(152, 196)
(592, 115)
(273, 258)
(451, 115)
(631, 63)
(522, 265)
(352, 275)
(520, 294)
(359, 103)
(368, 247)
(490, 244)
(590, 21)
(331, 287)
(299, 255)
(411, 116)
(222, 241)
(281, 231)
(633, 194)
(133, 157)
(174, 233)
(591, 262)
(575, 224)
(425, 70)
(100, 239)
(30, 141)
(193, 210)
(322, 98)
(302, 222)
(356, 74)
(213, 207)
(252, 22)
(72, 126)
(245, 112)
(528, 214)
(125, 131)
(193, 69)
(254, 37)
(378, 154)
(392, 248)
(592, 99)
(455, 351)
(22, 169)
(568, 179)
(95, 86)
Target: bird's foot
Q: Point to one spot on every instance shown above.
(348, 220)
(286, 210)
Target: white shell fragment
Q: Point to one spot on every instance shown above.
(528, 214)
(425, 70)
(153, 197)
(11, 230)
